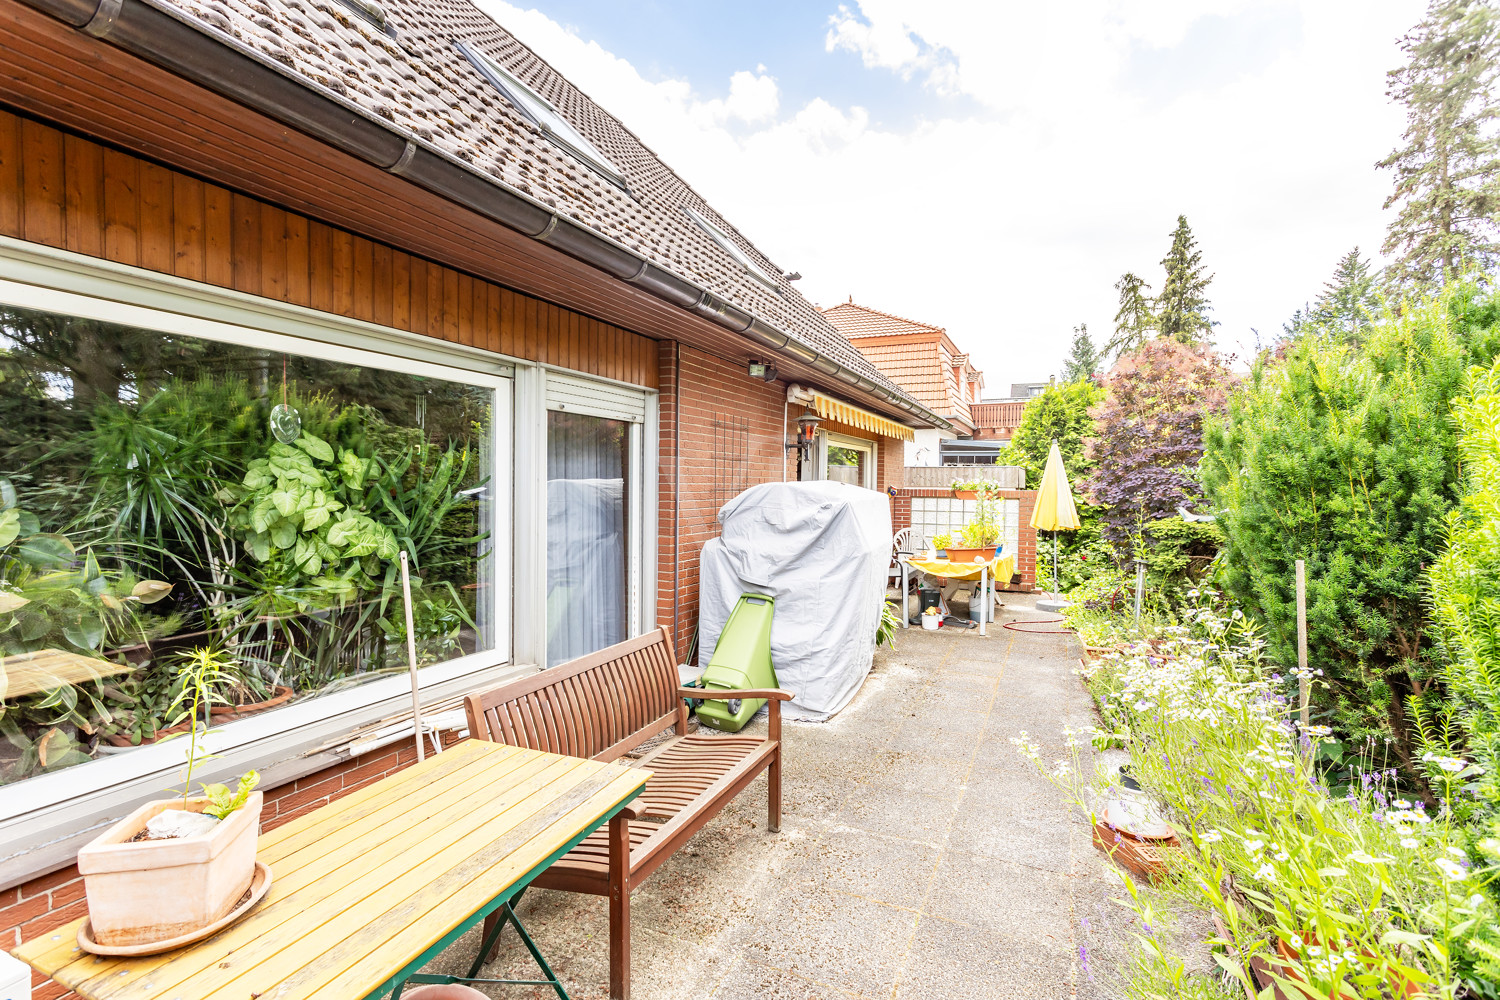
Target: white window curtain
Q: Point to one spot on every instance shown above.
(589, 494)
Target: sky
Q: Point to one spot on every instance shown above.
(993, 168)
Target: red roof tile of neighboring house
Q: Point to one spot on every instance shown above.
(919, 357)
(862, 321)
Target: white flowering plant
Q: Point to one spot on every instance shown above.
(1371, 894)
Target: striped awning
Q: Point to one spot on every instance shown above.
(836, 409)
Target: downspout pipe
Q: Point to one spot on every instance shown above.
(223, 64)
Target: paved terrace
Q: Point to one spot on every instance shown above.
(919, 856)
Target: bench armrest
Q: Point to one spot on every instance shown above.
(639, 807)
(714, 694)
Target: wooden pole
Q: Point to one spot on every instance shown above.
(1304, 682)
(411, 659)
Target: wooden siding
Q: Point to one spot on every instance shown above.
(64, 191)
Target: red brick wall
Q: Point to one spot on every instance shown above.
(50, 901)
(707, 388)
(1025, 557)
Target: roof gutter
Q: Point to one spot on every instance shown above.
(226, 66)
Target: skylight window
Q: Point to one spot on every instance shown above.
(729, 246)
(539, 111)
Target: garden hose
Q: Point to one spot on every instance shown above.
(1016, 626)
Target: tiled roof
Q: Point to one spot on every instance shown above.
(861, 321)
(416, 81)
(919, 370)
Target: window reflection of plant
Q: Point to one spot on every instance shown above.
(142, 446)
(54, 596)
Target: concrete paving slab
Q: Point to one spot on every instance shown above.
(920, 856)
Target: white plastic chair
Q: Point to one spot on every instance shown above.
(904, 544)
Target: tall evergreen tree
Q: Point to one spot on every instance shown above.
(1182, 310)
(1083, 361)
(1134, 321)
(1348, 298)
(1448, 170)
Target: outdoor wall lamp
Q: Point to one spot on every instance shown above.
(807, 427)
(763, 370)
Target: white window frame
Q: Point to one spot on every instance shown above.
(47, 817)
(833, 439)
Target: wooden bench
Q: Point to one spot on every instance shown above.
(603, 706)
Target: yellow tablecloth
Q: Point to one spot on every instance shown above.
(1001, 568)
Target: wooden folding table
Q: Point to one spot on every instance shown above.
(368, 889)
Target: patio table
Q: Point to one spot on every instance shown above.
(369, 888)
(999, 568)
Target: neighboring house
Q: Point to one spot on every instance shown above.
(996, 419)
(923, 360)
(487, 304)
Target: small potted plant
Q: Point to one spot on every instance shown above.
(932, 618)
(940, 544)
(175, 865)
(971, 489)
(979, 538)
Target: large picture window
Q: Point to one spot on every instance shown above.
(166, 498)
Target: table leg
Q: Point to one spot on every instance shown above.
(619, 908)
(984, 600)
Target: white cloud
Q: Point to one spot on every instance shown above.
(1010, 224)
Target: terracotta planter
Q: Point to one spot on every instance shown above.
(119, 740)
(958, 555)
(155, 890)
(1144, 857)
(228, 713)
(966, 494)
(1291, 959)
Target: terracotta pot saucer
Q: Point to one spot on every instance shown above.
(260, 882)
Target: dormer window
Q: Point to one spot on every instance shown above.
(539, 111)
(729, 246)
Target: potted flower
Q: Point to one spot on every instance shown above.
(175, 866)
(980, 538)
(971, 489)
(932, 618)
(940, 544)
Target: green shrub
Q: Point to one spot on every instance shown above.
(1345, 457)
(1465, 592)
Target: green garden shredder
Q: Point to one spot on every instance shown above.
(741, 661)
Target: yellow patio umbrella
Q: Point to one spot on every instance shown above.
(1055, 510)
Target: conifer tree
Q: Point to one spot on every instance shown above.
(1447, 181)
(1348, 298)
(1083, 361)
(1182, 309)
(1134, 321)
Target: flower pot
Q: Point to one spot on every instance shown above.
(121, 740)
(958, 555)
(1291, 960)
(932, 622)
(155, 890)
(966, 494)
(1143, 857)
(228, 713)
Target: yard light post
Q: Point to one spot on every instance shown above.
(807, 429)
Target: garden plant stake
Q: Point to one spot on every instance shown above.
(1304, 681)
(411, 659)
